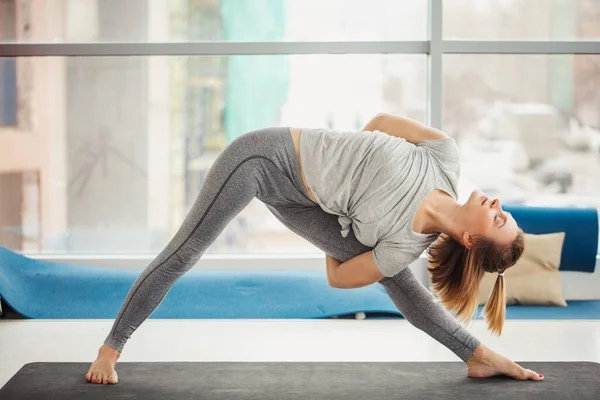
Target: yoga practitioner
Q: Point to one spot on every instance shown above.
(373, 201)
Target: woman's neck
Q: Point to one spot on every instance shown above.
(437, 213)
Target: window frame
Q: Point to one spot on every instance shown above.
(435, 47)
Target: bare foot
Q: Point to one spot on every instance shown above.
(103, 369)
(486, 363)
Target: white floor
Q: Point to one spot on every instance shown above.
(24, 341)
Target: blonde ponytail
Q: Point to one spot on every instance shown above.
(456, 273)
(495, 308)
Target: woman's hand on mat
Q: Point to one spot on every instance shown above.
(485, 363)
(103, 369)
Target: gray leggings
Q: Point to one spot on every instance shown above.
(263, 164)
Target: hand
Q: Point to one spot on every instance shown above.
(485, 363)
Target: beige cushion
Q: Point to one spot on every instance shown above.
(535, 278)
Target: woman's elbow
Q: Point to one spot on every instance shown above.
(380, 118)
(376, 123)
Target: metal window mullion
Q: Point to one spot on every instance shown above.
(256, 48)
(434, 67)
(210, 48)
(520, 47)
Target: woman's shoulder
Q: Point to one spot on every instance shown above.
(405, 238)
(444, 147)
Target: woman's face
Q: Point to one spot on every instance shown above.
(485, 217)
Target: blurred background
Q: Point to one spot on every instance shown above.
(106, 155)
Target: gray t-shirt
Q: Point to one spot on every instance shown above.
(375, 182)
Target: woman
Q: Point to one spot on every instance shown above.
(392, 191)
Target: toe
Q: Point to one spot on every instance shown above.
(88, 376)
(112, 379)
(534, 375)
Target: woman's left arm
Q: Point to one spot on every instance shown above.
(354, 273)
(332, 265)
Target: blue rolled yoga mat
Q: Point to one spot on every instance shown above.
(42, 289)
(580, 225)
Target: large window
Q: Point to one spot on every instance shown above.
(528, 125)
(521, 19)
(75, 21)
(119, 108)
(124, 143)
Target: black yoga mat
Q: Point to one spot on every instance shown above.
(301, 380)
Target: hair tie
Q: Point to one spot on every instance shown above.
(501, 273)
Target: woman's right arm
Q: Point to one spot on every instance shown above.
(413, 131)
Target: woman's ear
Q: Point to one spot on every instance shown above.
(467, 240)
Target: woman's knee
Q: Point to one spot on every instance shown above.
(185, 258)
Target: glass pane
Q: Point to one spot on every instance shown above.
(528, 126)
(198, 20)
(522, 19)
(107, 155)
